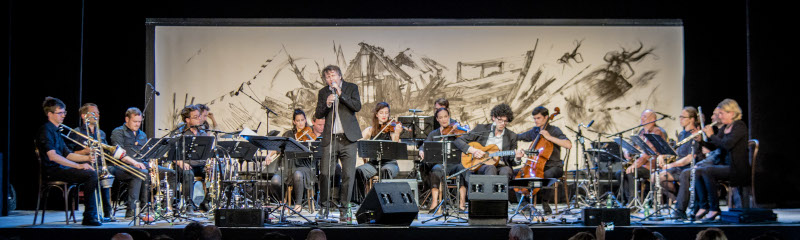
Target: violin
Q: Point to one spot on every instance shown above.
(533, 166)
(389, 127)
(455, 129)
(306, 134)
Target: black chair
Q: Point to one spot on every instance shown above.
(45, 186)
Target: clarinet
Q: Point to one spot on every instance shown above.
(694, 165)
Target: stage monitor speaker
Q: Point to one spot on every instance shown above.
(388, 203)
(239, 218)
(617, 216)
(488, 199)
(748, 215)
(412, 183)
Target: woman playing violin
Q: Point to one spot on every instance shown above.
(303, 176)
(382, 129)
(437, 172)
(554, 167)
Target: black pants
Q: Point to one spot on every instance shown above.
(88, 178)
(627, 193)
(345, 151)
(437, 173)
(136, 187)
(365, 172)
(707, 184)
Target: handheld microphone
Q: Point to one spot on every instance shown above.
(154, 89)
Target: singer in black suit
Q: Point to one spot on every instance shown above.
(338, 103)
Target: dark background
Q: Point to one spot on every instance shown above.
(733, 49)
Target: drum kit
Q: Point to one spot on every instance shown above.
(234, 176)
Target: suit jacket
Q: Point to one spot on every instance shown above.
(481, 134)
(349, 104)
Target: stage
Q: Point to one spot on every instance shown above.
(18, 224)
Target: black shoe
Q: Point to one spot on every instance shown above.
(678, 215)
(90, 221)
(546, 207)
(128, 214)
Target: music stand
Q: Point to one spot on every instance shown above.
(381, 149)
(662, 148)
(154, 148)
(283, 145)
(530, 184)
(445, 153)
(184, 148)
(239, 149)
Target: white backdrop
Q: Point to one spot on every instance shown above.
(609, 74)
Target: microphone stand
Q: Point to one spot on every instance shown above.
(635, 173)
(268, 111)
(147, 103)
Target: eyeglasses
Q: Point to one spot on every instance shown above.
(62, 113)
(502, 121)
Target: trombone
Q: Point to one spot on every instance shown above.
(118, 152)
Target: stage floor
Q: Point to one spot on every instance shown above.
(557, 225)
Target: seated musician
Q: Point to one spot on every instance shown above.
(442, 103)
(554, 166)
(318, 126)
(640, 167)
(381, 129)
(130, 137)
(136, 187)
(732, 140)
(206, 115)
(303, 175)
(192, 126)
(437, 172)
(689, 120)
(497, 134)
(61, 164)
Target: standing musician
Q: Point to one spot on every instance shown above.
(382, 129)
(641, 165)
(554, 166)
(61, 164)
(337, 103)
(732, 140)
(135, 185)
(303, 175)
(447, 127)
(689, 120)
(130, 137)
(492, 134)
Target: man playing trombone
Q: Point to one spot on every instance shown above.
(59, 163)
(90, 116)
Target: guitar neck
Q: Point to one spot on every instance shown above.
(503, 153)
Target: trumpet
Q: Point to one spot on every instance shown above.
(117, 151)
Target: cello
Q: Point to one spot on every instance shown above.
(533, 164)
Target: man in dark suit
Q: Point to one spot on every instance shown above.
(494, 133)
(338, 103)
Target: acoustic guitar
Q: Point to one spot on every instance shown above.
(491, 158)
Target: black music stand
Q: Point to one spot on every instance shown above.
(639, 142)
(530, 184)
(239, 149)
(381, 149)
(187, 147)
(662, 148)
(283, 145)
(445, 153)
(154, 148)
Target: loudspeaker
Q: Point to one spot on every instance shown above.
(488, 199)
(388, 203)
(748, 215)
(595, 216)
(412, 183)
(239, 218)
